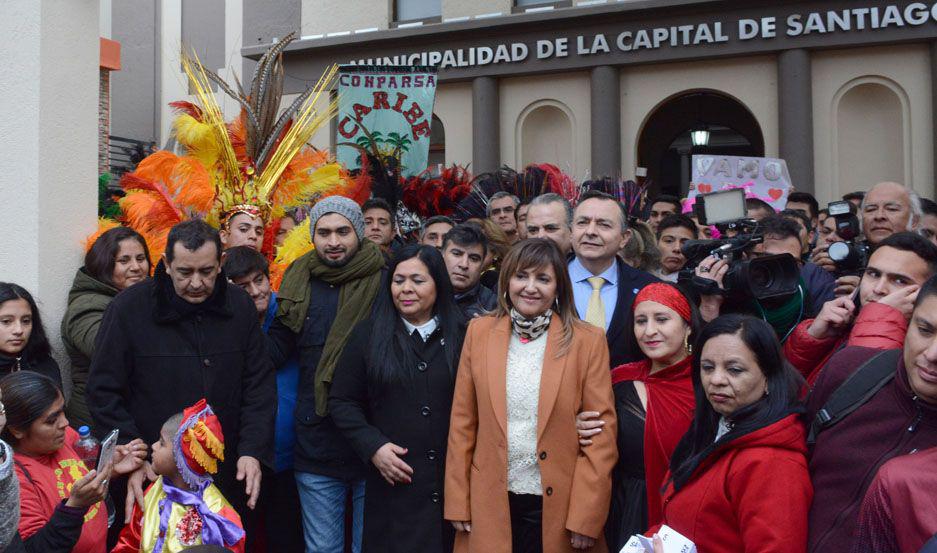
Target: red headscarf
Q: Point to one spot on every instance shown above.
(670, 400)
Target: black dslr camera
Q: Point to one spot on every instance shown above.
(851, 254)
(771, 276)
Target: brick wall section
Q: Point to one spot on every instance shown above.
(104, 120)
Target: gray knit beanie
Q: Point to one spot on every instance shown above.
(343, 206)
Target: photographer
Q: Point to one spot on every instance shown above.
(814, 287)
(842, 249)
(887, 208)
(887, 290)
(826, 235)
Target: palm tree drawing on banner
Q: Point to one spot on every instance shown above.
(394, 145)
(401, 143)
(370, 141)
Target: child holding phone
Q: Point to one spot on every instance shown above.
(183, 508)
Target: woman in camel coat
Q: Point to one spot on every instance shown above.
(516, 478)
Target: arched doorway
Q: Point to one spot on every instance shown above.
(437, 144)
(546, 135)
(665, 146)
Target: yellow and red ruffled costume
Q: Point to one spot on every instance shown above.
(172, 518)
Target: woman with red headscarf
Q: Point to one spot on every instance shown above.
(654, 403)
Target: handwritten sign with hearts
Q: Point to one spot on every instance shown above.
(762, 177)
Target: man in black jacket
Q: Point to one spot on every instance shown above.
(464, 249)
(323, 295)
(184, 335)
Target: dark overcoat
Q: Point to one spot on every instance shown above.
(412, 412)
(156, 354)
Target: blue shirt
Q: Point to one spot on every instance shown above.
(284, 434)
(582, 290)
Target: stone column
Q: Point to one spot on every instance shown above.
(606, 121)
(486, 125)
(686, 174)
(49, 144)
(795, 116)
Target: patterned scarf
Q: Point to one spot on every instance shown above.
(530, 329)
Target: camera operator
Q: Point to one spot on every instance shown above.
(814, 287)
(805, 230)
(888, 287)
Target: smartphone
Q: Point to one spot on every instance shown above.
(108, 446)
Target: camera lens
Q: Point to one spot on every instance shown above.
(760, 276)
(838, 251)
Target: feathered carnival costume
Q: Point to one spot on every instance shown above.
(174, 519)
(533, 181)
(258, 164)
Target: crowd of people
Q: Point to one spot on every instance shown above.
(553, 377)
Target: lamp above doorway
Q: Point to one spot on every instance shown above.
(699, 135)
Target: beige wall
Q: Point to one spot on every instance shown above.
(321, 17)
(752, 81)
(454, 108)
(50, 149)
(467, 8)
(894, 83)
(333, 16)
(522, 96)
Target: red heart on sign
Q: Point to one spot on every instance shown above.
(775, 193)
(704, 188)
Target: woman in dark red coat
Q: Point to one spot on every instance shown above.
(739, 480)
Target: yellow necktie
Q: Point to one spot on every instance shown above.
(595, 312)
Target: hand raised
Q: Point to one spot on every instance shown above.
(902, 299)
(89, 489)
(129, 457)
(833, 319)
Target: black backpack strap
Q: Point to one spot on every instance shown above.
(861, 385)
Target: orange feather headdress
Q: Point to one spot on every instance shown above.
(259, 163)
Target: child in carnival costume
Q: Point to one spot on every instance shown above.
(183, 508)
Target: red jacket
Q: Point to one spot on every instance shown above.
(751, 495)
(49, 481)
(899, 513)
(846, 456)
(878, 326)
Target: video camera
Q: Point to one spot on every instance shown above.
(851, 254)
(760, 278)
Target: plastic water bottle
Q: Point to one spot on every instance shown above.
(87, 447)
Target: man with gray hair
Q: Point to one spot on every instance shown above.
(501, 207)
(889, 208)
(323, 295)
(550, 216)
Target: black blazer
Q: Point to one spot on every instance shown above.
(622, 346)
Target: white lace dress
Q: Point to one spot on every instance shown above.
(524, 366)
